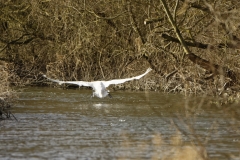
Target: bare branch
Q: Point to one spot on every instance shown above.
(17, 41)
(175, 11)
(153, 20)
(213, 68)
(173, 23)
(196, 44)
(134, 23)
(100, 16)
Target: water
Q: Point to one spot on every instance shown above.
(69, 124)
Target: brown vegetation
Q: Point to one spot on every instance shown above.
(89, 40)
(7, 95)
(178, 149)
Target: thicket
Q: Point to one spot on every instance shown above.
(101, 40)
(7, 95)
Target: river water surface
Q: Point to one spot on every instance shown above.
(69, 124)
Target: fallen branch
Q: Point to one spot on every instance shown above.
(170, 74)
(153, 20)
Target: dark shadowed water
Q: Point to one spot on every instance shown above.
(69, 124)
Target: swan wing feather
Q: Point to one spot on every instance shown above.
(119, 81)
(79, 83)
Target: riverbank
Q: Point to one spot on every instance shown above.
(107, 40)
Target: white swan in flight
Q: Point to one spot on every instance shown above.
(99, 87)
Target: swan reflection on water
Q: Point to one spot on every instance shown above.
(100, 105)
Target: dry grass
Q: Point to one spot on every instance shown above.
(7, 95)
(161, 149)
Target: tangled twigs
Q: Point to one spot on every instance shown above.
(5, 113)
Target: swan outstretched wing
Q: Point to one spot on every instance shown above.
(80, 83)
(119, 81)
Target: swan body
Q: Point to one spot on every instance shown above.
(99, 87)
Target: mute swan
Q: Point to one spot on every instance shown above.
(99, 87)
